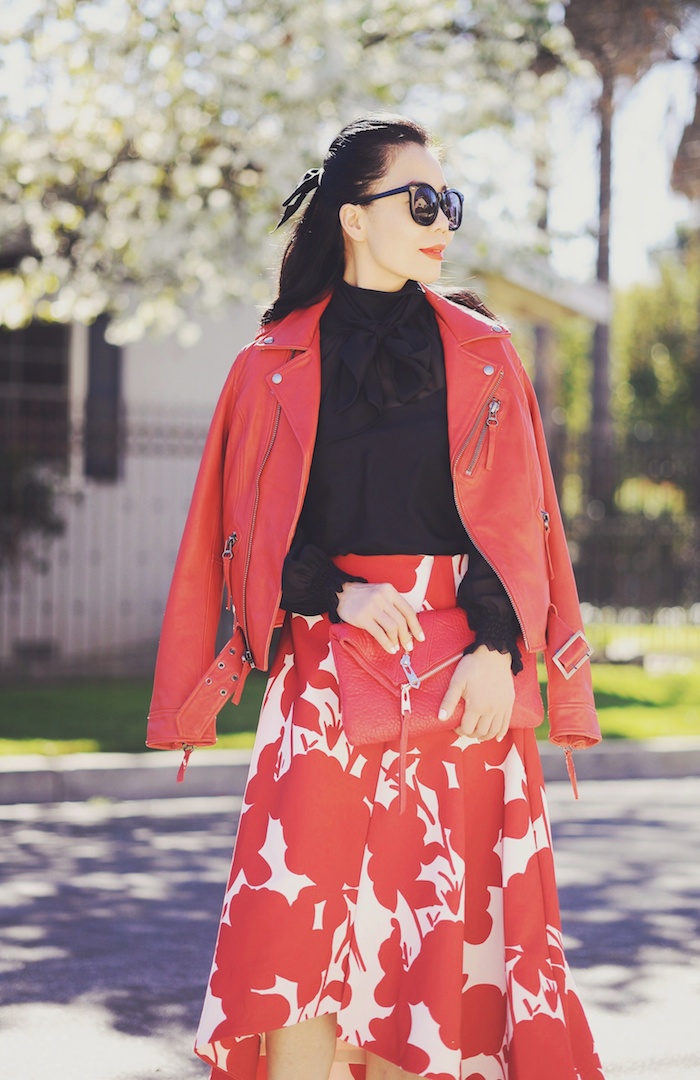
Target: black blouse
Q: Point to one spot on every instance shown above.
(380, 480)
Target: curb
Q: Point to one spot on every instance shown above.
(34, 778)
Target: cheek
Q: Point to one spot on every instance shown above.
(387, 243)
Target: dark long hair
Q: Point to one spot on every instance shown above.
(314, 258)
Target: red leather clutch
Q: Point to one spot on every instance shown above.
(386, 696)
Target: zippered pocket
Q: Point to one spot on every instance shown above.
(487, 427)
(545, 523)
(227, 559)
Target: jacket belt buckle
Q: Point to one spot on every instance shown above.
(581, 651)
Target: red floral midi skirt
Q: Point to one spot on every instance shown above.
(434, 935)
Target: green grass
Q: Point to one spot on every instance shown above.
(75, 717)
(80, 716)
(645, 638)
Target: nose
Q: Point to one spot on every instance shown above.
(442, 224)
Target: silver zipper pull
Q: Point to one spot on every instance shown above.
(492, 418)
(545, 519)
(227, 553)
(413, 679)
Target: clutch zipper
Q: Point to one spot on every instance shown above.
(415, 681)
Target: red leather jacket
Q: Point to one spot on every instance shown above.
(249, 493)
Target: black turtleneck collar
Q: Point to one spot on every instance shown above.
(379, 350)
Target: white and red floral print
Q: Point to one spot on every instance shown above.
(434, 934)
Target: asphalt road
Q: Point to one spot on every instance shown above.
(108, 913)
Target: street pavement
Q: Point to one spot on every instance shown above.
(108, 913)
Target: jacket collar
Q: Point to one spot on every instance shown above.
(298, 329)
(462, 323)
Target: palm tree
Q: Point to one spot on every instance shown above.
(622, 40)
(685, 179)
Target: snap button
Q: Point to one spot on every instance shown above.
(277, 378)
(496, 328)
(489, 369)
(268, 340)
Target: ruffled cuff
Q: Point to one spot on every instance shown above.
(311, 583)
(497, 632)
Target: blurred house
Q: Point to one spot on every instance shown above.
(123, 429)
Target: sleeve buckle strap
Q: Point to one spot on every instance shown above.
(572, 654)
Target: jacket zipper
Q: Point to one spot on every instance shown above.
(479, 417)
(490, 422)
(545, 522)
(247, 654)
(464, 524)
(227, 556)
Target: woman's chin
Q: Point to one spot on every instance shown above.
(431, 272)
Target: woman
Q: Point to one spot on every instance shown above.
(376, 452)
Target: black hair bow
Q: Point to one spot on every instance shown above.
(310, 180)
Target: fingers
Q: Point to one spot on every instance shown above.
(413, 626)
(485, 682)
(457, 689)
(385, 632)
(383, 612)
(484, 727)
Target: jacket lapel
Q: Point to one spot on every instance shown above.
(296, 385)
(473, 368)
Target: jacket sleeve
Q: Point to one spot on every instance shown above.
(571, 707)
(188, 638)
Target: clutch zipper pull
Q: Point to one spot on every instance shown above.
(403, 731)
(413, 679)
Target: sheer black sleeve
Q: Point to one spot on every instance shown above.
(311, 581)
(489, 610)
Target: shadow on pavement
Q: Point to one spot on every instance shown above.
(119, 903)
(628, 866)
(124, 909)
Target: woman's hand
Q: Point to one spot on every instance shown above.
(484, 680)
(382, 611)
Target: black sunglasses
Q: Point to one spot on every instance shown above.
(425, 202)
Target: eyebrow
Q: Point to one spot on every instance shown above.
(425, 183)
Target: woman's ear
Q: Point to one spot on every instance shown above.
(352, 221)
